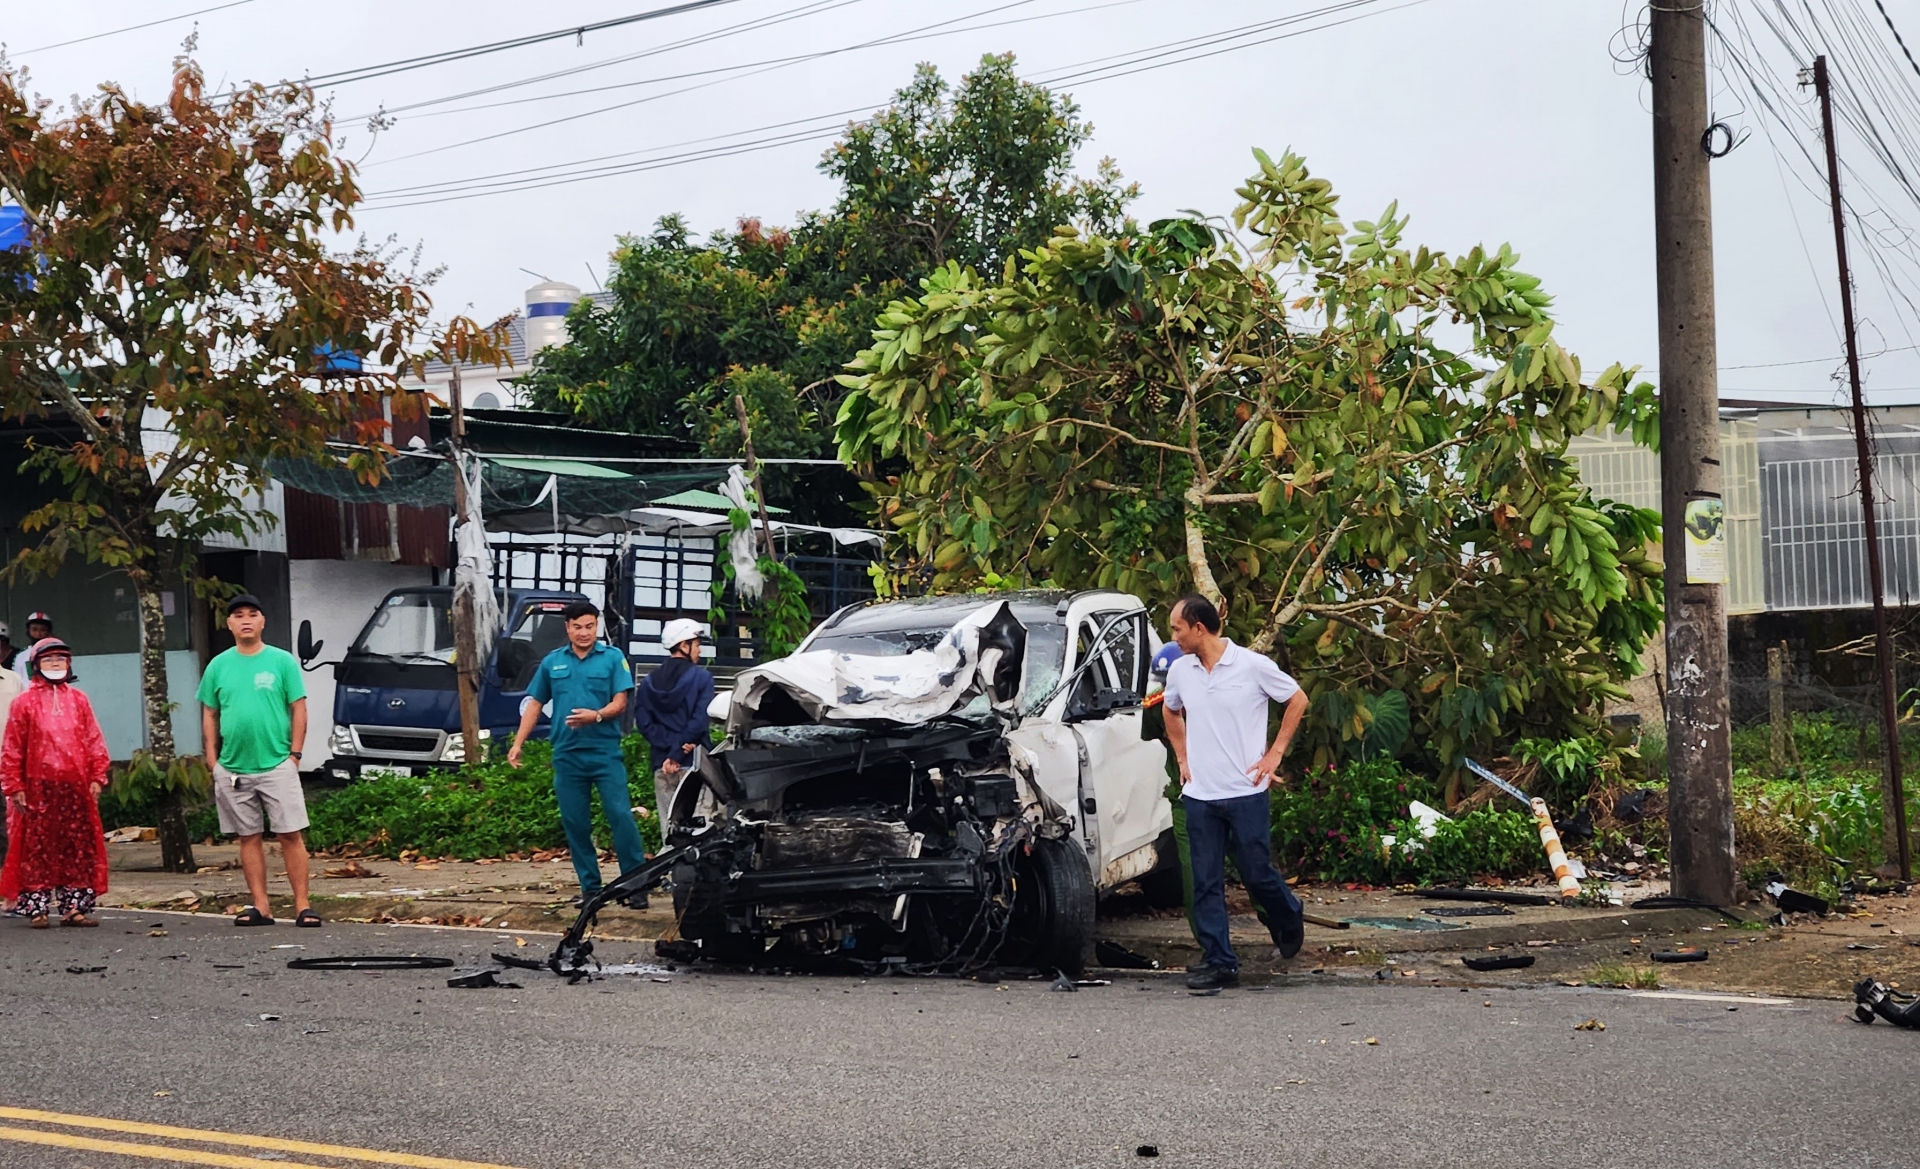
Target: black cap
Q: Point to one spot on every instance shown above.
(246, 601)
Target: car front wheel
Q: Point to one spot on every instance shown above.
(1053, 908)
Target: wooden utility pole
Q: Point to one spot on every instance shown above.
(753, 470)
(465, 651)
(1699, 738)
(1893, 800)
(1781, 730)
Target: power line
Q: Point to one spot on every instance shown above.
(1898, 39)
(754, 25)
(1817, 360)
(133, 27)
(1116, 65)
(1111, 73)
(899, 39)
(749, 72)
(579, 32)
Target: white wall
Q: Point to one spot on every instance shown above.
(112, 683)
(338, 596)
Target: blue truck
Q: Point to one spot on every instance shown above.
(396, 704)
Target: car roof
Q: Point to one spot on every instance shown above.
(1031, 606)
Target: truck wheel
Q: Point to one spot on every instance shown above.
(1165, 887)
(1054, 907)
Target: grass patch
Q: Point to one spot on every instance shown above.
(488, 809)
(1623, 976)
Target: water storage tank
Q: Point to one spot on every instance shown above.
(547, 305)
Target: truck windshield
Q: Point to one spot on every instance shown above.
(410, 627)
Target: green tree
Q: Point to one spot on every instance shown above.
(1357, 446)
(970, 173)
(173, 305)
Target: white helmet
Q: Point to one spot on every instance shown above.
(679, 630)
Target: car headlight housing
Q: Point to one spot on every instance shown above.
(456, 749)
(340, 742)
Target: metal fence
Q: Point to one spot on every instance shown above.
(1614, 468)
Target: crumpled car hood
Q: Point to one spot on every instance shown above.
(982, 654)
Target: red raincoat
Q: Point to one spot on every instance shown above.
(53, 750)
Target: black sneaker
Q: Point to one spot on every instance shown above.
(635, 901)
(1289, 944)
(1212, 978)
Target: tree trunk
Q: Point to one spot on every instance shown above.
(1204, 582)
(176, 849)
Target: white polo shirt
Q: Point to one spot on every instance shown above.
(1226, 712)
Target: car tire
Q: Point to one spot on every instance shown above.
(1164, 887)
(1057, 887)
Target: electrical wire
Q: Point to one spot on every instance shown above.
(1898, 39)
(1874, 97)
(1098, 69)
(756, 24)
(900, 39)
(408, 64)
(749, 72)
(132, 28)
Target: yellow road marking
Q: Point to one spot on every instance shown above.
(66, 1140)
(214, 1137)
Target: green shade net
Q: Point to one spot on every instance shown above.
(507, 485)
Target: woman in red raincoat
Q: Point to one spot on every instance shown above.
(53, 764)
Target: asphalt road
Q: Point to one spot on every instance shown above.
(720, 1069)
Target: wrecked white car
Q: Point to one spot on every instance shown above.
(938, 784)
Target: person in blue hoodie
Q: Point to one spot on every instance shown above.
(670, 709)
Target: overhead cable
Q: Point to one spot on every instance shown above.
(579, 32)
(132, 28)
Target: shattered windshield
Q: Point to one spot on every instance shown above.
(1046, 653)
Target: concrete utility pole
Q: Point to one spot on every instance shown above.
(1699, 739)
(1893, 800)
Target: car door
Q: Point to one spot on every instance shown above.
(1125, 774)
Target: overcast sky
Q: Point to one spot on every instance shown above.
(1490, 121)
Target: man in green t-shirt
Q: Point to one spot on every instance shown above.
(253, 720)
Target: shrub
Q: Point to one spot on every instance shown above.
(1568, 767)
(487, 809)
(132, 795)
(1496, 842)
(1330, 826)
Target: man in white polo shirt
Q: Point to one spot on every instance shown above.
(1216, 704)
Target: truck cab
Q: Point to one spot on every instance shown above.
(396, 701)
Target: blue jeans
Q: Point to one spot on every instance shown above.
(1246, 821)
(574, 776)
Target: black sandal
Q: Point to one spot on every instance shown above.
(251, 916)
(307, 919)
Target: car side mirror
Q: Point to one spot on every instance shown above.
(308, 648)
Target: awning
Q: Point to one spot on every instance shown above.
(680, 521)
(569, 467)
(515, 494)
(708, 500)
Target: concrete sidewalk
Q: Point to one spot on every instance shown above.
(1391, 936)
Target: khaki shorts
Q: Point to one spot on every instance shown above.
(249, 803)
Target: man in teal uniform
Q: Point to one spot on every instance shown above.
(587, 682)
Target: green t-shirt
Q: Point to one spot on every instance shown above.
(250, 693)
